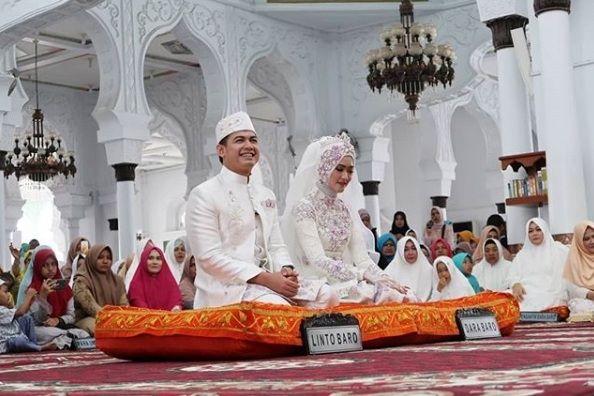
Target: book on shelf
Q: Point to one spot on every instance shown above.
(532, 185)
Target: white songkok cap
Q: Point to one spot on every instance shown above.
(235, 122)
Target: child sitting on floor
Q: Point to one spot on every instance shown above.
(17, 330)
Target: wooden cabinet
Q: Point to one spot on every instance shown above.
(531, 190)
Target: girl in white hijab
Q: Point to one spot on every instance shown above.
(536, 275)
(175, 254)
(492, 271)
(448, 282)
(411, 268)
(438, 228)
(76, 263)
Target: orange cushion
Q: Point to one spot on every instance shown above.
(256, 330)
(561, 310)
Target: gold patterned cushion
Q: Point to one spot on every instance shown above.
(256, 330)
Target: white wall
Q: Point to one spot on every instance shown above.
(583, 58)
(402, 188)
(160, 193)
(470, 199)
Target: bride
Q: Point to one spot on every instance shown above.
(323, 235)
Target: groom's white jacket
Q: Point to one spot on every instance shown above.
(221, 229)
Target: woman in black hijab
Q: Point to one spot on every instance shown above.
(399, 225)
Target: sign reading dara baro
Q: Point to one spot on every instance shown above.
(477, 323)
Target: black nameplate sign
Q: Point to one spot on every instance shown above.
(331, 333)
(529, 316)
(477, 323)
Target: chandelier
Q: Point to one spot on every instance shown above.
(37, 157)
(410, 60)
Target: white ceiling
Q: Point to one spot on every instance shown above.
(341, 16)
(67, 57)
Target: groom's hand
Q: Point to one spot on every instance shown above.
(291, 273)
(276, 281)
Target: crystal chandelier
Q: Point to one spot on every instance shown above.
(37, 157)
(410, 60)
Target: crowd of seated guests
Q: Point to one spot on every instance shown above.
(44, 307)
(542, 275)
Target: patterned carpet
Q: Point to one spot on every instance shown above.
(538, 359)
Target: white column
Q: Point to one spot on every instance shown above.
(372, 204)
(127, 225)
(73, 228)
(5, 256)
(514, 115)
(566, 187)
(126, 217)
(371, 163)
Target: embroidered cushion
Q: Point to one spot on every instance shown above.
(255, 330)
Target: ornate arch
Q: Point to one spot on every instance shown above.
(290, 55)
(168, 127)
(266, 76)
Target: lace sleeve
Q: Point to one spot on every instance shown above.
(311, 245)
(358, 250)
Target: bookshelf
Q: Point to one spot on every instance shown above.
(532, 189)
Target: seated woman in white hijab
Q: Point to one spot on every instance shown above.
(579, 270)
(448, 282)
(492, 271)
(411, 268)
(323, 233)
(438, 228)
(412, 233)
(175, 254)
(536, 273)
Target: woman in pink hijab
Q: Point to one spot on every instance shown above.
(153, 285)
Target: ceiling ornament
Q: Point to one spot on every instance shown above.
(410, 61)
(37, 157)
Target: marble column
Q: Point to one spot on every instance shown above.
(371, 164)
(566, 187)
(5, 260)
(514, 114)
(125, 175)
(371, 194)
(72, 207)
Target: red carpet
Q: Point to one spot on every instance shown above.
(553, 359)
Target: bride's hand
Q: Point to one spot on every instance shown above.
(391, 283)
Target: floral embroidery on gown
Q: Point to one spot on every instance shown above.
(327, 244)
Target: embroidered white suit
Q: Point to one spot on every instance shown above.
(221, 225)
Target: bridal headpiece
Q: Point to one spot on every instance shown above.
(334, 149)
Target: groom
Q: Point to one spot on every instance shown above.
(233, 230)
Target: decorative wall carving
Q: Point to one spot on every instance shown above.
(19, 18)
(156, 11)
(254, 37)
(212, 23)
(264, 75)
(114, 15)
(169, 128)
(183, 96)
